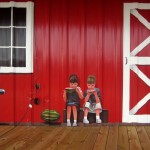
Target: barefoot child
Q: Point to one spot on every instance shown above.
(92, 100)
(72, 96)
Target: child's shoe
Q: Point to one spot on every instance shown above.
(98, 121)
(85, 121)
(74, 124)
(68, 124)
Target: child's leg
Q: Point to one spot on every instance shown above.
(74, 108)
(68, 115)
(68, 112)
(97, 112)
(86, 110)
(98, 120)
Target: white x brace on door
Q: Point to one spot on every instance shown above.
(130, 62)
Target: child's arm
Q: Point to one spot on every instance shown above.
(64, 96)
(87, 97)
(96, 97)
(78, 90)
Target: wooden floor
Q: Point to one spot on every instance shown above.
(102, 137)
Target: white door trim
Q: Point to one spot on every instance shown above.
(130, 62)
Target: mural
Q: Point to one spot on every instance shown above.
(77, 37)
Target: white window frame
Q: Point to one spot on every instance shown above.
(29, 37)
(130, 62)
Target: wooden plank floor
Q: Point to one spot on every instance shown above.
(102, 137)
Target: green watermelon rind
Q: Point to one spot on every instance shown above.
(50, 115)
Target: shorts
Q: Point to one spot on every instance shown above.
(74, 104)
(92, 107)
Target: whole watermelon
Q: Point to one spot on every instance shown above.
(50, 115)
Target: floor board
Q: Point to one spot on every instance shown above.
(133, 138)
(112, 138)
(101, 140)
(143, 137)
(123, 141)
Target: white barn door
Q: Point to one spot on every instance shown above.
(131, 63)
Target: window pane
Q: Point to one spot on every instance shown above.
(19, 57)
(5, 57)
(19, 37)
(5, 37)
(5, 16)
(19, 16)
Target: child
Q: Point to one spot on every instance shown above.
(72, 98)
(92, 100)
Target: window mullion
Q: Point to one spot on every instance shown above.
(11, 46)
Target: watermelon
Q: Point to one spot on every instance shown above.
(50, 115)
(70, 90)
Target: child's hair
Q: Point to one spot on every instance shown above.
(91, 79)
(73, 78)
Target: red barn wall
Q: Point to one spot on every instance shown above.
(70, 36)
